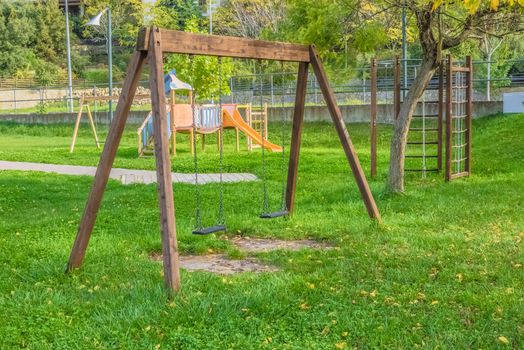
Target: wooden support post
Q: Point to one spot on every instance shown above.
(192, 140)
(449, 115)
(441, 97)
(172, 120)
(396, 88)
(343, 134)
(93, 127)
(237, 134)
(106, 161)
(77, 126)
(163, 164)
(469, 116)
(373, 124)
(296, 136)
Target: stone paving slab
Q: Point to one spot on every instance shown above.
(126, 176)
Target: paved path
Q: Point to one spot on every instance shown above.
(126, 176)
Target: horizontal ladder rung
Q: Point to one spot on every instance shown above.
(421, 170)
(460, 131)
(423, 143)
(460, 146)
(419, 156)
(426, 116)
(459, 160)
(423, 129)
(459, 116)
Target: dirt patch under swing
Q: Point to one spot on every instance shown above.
(261, 245)
(220, 264)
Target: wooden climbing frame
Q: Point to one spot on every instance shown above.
(152, 44)
(425, 133)
(459, 108)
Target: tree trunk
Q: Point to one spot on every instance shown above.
(400, 134)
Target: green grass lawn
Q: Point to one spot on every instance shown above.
(445, 270)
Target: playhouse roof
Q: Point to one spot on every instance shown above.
(171, 82)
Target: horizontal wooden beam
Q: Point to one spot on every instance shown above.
(225, 46)
(113, 98)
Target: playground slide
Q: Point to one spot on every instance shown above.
(235, 120)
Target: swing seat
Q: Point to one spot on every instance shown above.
(209, 230)
(275, 214)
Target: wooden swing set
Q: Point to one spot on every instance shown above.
(152, 44)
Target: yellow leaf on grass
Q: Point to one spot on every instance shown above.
(434, 302)
(304, 306)
(341, 345)
(503, 340)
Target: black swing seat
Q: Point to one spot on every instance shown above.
(275, 214)
(209, 230)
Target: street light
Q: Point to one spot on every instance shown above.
(95, 22)
(69, 74)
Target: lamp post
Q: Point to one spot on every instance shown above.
(95, 22)
(69, 74)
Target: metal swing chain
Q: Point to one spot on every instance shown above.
(221, 218)
(265, 205)
(198, 214)
(283, 143)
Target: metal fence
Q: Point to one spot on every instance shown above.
(25, 96)
(279, 87)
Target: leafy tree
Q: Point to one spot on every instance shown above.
(181, 11)
(202, 72)
(31, 39)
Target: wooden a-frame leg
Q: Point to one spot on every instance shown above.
(93, 127)
(163, 164)
(343, 134)
(106, 161)
(237, 134)
(296, 136)
(77, 125)
(173, 135)
(192, 141)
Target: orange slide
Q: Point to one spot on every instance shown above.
(231, 118)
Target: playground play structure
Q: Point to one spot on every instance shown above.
(193, 119)
(451, 92)
(152, 44)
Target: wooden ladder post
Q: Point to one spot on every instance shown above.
(163, 163)
(440, 113)
(373, 124)
(106, 161)
(343, 134)
(449, 115)
(469, 114)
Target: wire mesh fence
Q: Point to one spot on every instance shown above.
(26, 96)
